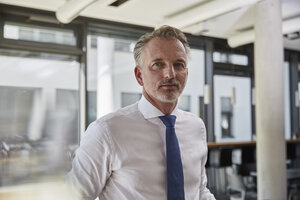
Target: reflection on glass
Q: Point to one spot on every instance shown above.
(38, 115)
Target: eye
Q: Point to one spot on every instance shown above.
(157, 65)
(179, 66)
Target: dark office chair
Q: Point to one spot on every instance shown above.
(292, 162)
(218, 160)
(248, 160)
(240, 179)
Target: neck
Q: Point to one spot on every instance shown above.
(165, 108)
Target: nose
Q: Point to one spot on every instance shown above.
(169, 72)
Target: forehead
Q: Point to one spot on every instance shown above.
(164, 48)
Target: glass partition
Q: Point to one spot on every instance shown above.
(39, 114)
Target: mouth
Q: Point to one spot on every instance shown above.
(169, 86)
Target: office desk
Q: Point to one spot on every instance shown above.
(245, 143)
(290, 173)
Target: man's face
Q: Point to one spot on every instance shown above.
(163, 72)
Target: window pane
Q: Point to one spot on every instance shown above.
(220, 57)
(232, 116)
(236, 59)
(39, 114)
(18, 31)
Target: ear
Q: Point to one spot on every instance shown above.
(138, 75)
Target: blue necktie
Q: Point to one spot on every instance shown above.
(174, 165)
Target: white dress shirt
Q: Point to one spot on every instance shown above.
(122, 156)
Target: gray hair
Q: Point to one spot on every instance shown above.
(163, 32)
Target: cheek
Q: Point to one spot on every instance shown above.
(153, 83)
(182, 79)
(152, 80)
(148, 82)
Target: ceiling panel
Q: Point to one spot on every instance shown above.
(153, 12)
(139, 12)
(50, 5)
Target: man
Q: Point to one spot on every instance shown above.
(151, 149)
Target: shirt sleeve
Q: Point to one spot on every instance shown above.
(91, 166)
(204, 191)
(205, 194)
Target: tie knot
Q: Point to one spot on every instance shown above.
(168, 120)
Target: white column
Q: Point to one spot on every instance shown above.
(105, 52)
(38, 114)
(271, 167)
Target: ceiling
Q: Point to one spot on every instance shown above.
(214, 18)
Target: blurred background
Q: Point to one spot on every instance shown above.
(63, 64)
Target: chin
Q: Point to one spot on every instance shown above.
(168, 98)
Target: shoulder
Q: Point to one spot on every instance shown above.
(119, 116)
(191, 118)
(100, 129)
(192, 124)
(127, 112)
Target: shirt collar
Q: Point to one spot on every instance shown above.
(150, 111)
